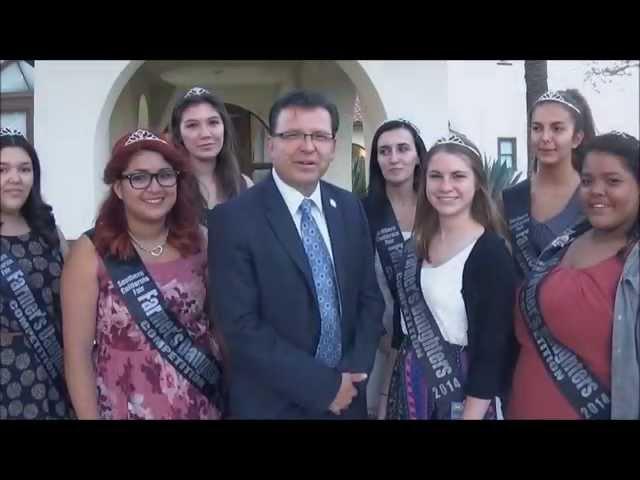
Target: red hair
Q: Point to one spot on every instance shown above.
(111, 232)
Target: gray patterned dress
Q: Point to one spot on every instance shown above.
(26, 390)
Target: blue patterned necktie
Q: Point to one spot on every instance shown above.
(330, 346)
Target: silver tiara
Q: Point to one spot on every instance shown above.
(196, 91)
(620, 134)
(552, 96)
(405, 121)
(10, 132)
(455, 140)
(140, 135)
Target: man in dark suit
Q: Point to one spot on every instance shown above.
(292, 278)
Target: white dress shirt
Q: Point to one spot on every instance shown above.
(293, 198)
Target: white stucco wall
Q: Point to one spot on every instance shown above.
(615, 104)
(487, 101)
(415, 90)
(76, 116)
(69, 108)
(79, 110)
(124, 117)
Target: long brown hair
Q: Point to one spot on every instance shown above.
(483, 208)
(582, 122)
(227, 168)
(627, 148)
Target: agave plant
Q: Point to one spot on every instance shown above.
(499, 176)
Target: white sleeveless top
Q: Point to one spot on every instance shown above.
(442, 290)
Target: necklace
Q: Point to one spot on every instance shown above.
(155, 251)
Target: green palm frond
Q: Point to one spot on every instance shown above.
(499, 176)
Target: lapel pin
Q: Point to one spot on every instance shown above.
(332, 202)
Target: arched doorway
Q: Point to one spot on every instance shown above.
(248, 88)
(251, 133)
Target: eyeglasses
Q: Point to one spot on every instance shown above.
(167, 177)
(299, 137)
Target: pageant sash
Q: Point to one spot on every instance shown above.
(570, 374)
(148, 308)
(516, 208)
(32, 317)
(389, 243)
(438, 356)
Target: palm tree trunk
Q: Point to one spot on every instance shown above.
(535, 77)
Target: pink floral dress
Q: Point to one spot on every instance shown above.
(134, 381)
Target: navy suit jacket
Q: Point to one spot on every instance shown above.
(264, 303)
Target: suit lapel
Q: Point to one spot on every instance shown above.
(336, 226)
(285, 230)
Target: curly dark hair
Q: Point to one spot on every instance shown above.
(627, 148)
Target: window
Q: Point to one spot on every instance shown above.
(16, 96)
(507, 151)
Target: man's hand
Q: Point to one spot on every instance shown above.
(347, 391)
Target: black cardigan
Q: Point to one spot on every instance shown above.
(488, 291)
